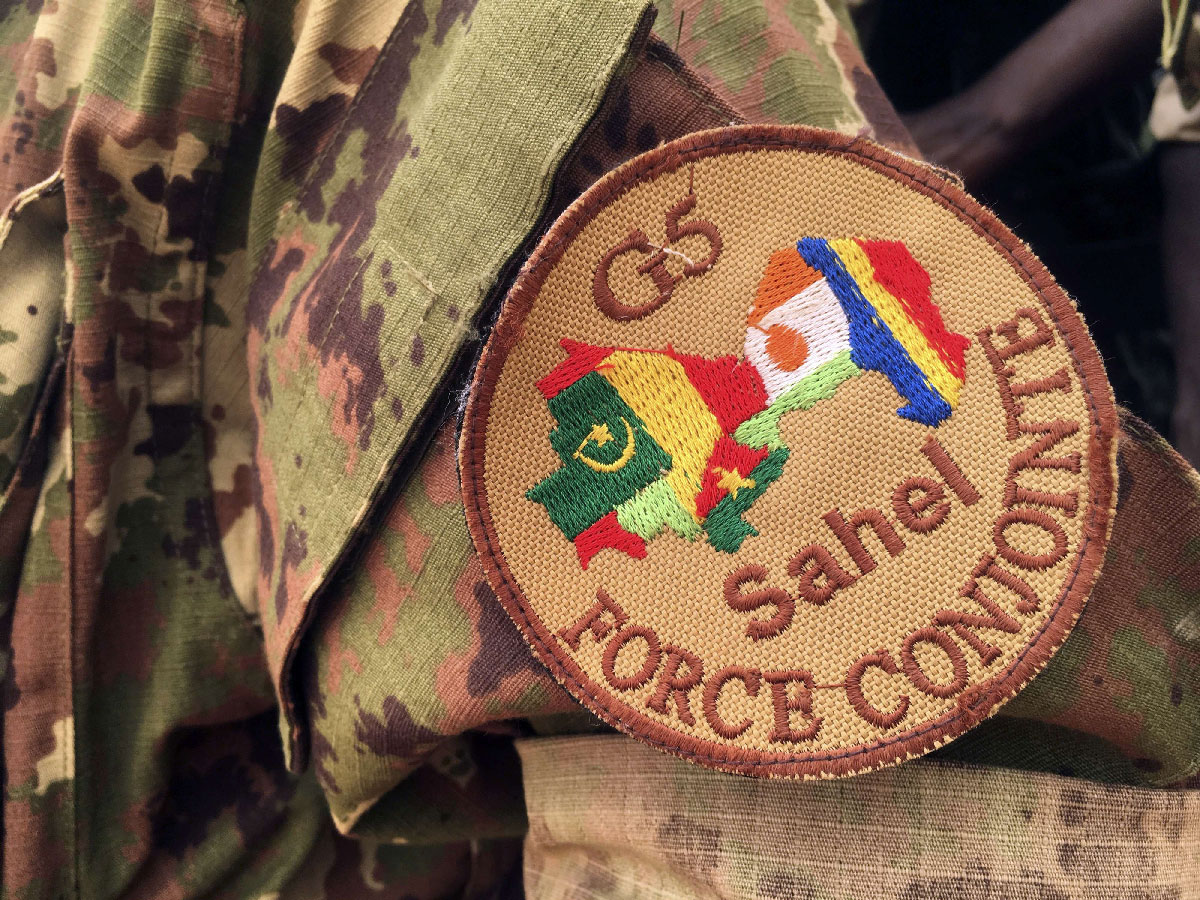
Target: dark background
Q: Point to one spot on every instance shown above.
(1087, 200)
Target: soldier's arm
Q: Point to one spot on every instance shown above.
(1041, 87)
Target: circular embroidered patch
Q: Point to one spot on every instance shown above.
(786, 456)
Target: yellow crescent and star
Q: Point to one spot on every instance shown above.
(601, 435)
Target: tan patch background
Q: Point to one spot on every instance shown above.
(847, 452)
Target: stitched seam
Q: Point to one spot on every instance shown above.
(291, 210)
(855, 149)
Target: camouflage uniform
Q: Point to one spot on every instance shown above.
(248, 252)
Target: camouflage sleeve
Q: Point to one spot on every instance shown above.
(202, 145)
(465, 668)
(609, 817)
(285, 225)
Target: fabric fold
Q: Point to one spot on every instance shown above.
(612, 818)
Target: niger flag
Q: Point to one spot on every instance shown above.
(796, 325)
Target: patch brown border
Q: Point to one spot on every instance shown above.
(979, 701)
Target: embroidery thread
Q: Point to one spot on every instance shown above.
(655, 264)
(655, 440)
(926, 543)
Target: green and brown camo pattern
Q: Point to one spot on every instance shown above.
(785, 61)
(31, 237)
(259, 240)
(142, 755)
(612, 818)
(366, 297)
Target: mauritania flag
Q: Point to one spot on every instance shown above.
(607, 455)
(828, 309)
